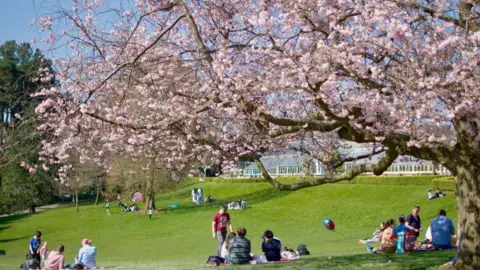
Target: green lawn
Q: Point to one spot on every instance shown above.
(181, 239)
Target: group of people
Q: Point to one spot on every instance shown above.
(130, 208)
(236, 248)
(403, 237)
(237, 205)
(197, 196)
(438, 193)
(55, 260)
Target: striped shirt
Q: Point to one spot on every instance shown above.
(239, 250)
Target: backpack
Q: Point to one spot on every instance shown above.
(215, 260)
(302, 250)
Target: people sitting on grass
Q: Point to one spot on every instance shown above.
(431, 195)
(200, 196)
(194, 195)
(440, 193)
(271, 247)
(210, 199)
(401, 226)
(442, 231)
(428, 236)
(376, 235)
(56, 259)
(226, 246)
(130, 208)
(387, 244)
(240, 248)
(405, 238)
(237, 205)
(86, 256)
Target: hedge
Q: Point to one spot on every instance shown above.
(416, 180)
(445, 183)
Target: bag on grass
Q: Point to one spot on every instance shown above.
(215, 260)
(302, 250)
(409, 242)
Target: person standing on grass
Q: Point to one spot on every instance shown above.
(44, 251)
(108, 207)
(414, 221)
(34, 246)
(150, 212)
(219, 227)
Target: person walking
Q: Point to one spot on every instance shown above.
(220, 222)
(108, 208)
(150, 212)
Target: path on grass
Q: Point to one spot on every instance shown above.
(37, 209)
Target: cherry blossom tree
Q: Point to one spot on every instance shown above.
(236, 78)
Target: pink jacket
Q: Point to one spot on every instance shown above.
(44, 250)
(55, 261)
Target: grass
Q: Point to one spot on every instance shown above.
(181, 239)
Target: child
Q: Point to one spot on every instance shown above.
(150, 212)
(44, 251)
(376, 235)
(108, 208)
(34, 245)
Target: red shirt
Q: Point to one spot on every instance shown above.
(221, 221)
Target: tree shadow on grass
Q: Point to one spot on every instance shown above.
(412, 261)
(6, 221)
(252, 198)
(13, 239)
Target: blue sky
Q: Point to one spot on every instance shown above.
(14, 18)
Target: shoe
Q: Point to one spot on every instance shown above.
(370, 249)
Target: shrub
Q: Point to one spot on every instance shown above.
(415, 180)
(445, 183)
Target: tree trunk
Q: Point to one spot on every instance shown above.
(77, 207)
(150, 189)
(32, 209)
(468, 200)
(99, 187)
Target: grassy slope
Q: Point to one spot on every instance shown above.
(182, 238)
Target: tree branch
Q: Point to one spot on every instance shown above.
(377, 169)
(109, 76)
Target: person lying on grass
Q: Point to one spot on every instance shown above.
(376, 235)
(387, 244)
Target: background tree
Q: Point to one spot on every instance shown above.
(23, 186)
(399, 76)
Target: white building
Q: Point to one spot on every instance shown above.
(288, 162)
